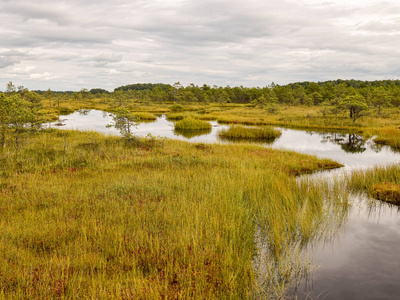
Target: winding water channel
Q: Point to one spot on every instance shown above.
(363, 260)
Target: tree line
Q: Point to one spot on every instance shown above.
(356, 97)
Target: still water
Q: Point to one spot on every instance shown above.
(363, 260)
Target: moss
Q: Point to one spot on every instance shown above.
(386, 191)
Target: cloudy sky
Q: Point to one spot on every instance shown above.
(75, 44)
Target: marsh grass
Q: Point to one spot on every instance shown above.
(190, 123)
(85, 215)
(380, 183)
(176, 116)
(144, 116)
(390, 137)
(249, 133)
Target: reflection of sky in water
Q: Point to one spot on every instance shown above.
(362, 262)
(97, 120)
(312, 143)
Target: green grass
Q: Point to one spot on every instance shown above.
(85, 215)
(192, 124)
(250, 133)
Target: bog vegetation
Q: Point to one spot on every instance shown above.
(265, 134)
(85, 215)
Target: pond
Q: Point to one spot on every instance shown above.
(362, 260)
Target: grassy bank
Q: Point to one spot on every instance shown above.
(89, 216)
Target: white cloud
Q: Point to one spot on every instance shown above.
(44, 76)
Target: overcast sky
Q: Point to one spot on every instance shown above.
(75, 44)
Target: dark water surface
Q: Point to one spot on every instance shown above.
(363, 260)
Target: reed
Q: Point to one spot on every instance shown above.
(379, 183)
(249, 133)
(176, 116)
(389, 136)
(190, 123)
(144, 116)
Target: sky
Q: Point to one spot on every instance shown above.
(76, 44)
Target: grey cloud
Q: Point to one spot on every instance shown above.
(6, 62)
(75, 44)
(10, 58)
(26, 10)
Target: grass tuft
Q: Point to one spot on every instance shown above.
(249, 133)
(192, 124)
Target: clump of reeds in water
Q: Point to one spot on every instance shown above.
(380, 183)
(250, 133)
(192, 124)
(176, 116)
(144, 116)
(390, 137)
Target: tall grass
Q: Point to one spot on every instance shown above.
(176, 116)
(144, 116)
(85, 215)
(389, 136)
(249, 133)
(192, 124)
(380, 183)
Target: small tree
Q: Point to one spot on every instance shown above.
(124, 121)
(10, 88)
(48, 94)
(380, 98)
(33, 101)
(5, 112)
(14, 114)
(357, 106)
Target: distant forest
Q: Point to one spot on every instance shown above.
(378, 93)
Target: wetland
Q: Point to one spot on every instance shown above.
(359, 260)
(110, 198)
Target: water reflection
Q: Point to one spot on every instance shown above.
(350, 143)
(348, 149)
(191, 133)
(360, 263)
(84, 112)
(281, 274)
